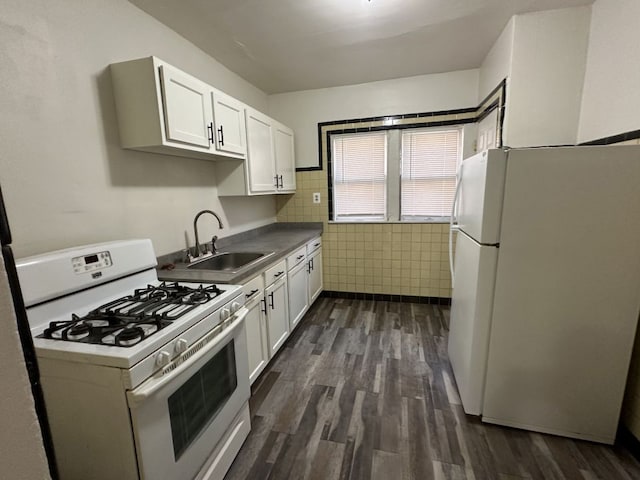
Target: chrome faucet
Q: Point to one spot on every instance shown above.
(195, 230)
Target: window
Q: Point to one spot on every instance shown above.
(360, 176)
(395, 175)
(428, 174)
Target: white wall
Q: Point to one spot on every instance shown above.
(496, 66)
(545, 85)
(303, 110)
(611, 97)
(65, 179)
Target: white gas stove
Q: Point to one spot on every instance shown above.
(157, 369)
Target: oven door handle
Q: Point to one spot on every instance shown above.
(152, 385)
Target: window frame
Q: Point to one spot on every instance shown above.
(428, 218)
(361, 218)
(393, 174)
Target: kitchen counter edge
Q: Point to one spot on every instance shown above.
(288, 238)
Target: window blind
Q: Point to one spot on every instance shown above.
(359, 176)
(428, 172)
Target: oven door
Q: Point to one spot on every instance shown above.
(180, 414)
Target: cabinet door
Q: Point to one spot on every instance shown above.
(278, 315)
(257, 343)
(298, 293)
(315, 275)
(228, 120)
(285, 157)
(260, 161)
(187, 109)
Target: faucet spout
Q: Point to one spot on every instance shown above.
(195, 228)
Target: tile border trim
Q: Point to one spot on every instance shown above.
(438, 118)
(495, 100)
(621, 137)
(387, 297)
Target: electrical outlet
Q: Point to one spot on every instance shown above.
(316, 197)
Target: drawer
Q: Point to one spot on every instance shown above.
(253, 288)
(275, 272)
(314, 244)
(296, 257)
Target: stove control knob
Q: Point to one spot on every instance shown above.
(235, 306)
(181, 345)
(163, 358)
(224, 314)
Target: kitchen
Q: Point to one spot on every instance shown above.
(67, 181)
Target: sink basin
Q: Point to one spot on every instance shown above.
(229, 262)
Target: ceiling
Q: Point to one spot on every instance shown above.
(288, 45)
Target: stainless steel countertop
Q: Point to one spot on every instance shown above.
(279, 238)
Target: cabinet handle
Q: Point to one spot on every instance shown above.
(277, 183)
(309, 266)
(272, 301)
(312, 264)
(281, 182)
(251, 293)
(264, 305)
(221, 132)
(277, 275)
(316, 244)
(299, 257)
(210, 133)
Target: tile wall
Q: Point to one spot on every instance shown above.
(382, 258)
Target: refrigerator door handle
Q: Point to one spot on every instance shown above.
(453, 226)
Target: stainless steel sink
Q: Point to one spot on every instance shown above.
(229, 262)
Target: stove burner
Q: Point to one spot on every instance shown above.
(77, 331)
(129, 320)
(200, 296)
(130, 335)
(167, 300)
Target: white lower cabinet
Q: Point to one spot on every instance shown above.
(314, 256)
(298, 293)
(277, 299)
(277, 314)
(257, 339)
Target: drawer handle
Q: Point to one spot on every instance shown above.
(299, 257)
(272, 301)
(316, 245)
(251, 293)
(264, 303)
(278, 274)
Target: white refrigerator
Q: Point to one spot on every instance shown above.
(546, 287)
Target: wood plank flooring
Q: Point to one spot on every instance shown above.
(363, 390)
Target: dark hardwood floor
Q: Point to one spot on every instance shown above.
(363, 390)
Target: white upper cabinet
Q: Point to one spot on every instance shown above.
(260, 155)
(187, 111)
(285, 157)
(229, 123)
(162, 109)
(270, 166)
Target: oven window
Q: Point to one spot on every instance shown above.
(195, 404)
